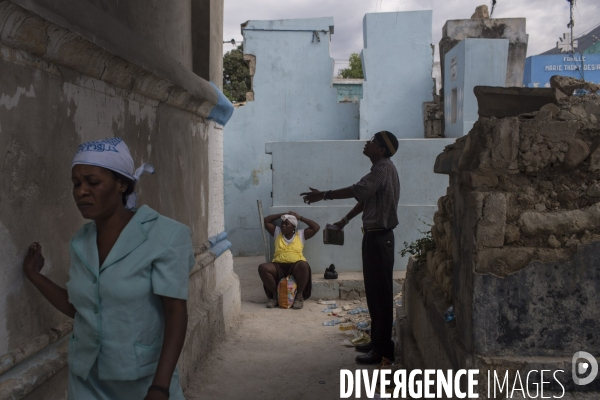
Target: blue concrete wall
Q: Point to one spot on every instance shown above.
(336, 164)
(294, 101)
(471, 63)
(397, 63)
(539, 69)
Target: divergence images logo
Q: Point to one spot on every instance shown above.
(580, 368)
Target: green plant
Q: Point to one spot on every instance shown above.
(419, 248)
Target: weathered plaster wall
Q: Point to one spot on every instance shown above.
(208, 43)
(166, 24)
(46, 110)
(336, 164)
(397, 63)
(473, 62)
(293, 101)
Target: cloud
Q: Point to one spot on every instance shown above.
(546, 19)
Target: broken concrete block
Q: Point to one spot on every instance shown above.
(474, 180)
(511, 234)
(594, 190)
(481, 12)
(566, 116)
(543, 115)
(568, 85)
(553, 242)
(561, 222)
(577, 153)
(491, 226)
(578, 111)
(595, 160)
(553, 108)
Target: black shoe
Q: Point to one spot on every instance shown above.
(364, 348)
(369, 358)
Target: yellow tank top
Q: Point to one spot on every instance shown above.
(288, 253)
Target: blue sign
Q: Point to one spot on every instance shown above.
(539, 69)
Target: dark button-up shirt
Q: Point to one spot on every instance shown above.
(380, 191)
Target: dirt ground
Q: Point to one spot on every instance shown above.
(274, 353)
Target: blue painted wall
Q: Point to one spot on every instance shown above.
(470, 63)
(539, 69)
(294, 101)
(336, 164)
(397, 62)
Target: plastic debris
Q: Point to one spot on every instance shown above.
(358, 310)
(362, 339)
(333, 322)
(449, 314)
(346, 343)
(398, 302)
(581, 92)
(347, 327)
(326, 302)
(362, 325)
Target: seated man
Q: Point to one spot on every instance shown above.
(288, 259)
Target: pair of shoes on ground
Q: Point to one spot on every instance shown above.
(372, 357)
(298, 304)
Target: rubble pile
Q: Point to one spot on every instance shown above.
(517, 241)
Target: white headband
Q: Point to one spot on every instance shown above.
(112, 154)
(291, 218)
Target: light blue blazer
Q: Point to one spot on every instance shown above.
(120, 318)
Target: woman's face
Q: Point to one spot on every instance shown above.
(96, 191)
(287, 227)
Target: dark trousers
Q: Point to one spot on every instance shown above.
(378, 266)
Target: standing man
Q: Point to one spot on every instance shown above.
(377, 194)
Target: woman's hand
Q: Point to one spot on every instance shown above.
(34, 260)
(313, 196)
(294, 215)
(155, 395)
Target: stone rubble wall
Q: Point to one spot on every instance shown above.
(517, 246)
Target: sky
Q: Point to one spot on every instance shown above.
(546, 19)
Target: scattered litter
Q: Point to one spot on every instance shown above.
(347, 327)
(357, 301)
(326, 302)
(398, 302)
(333, 322)
(341, 313)
(362, 339)
(346, 342)
(330, 308)
(362, 325)
(580, 92)
(358, 310)
(449, 314)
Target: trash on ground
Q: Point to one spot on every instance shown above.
(362, 339)
(333, 322)
(449, 314)
(346, 342)
(326, 302)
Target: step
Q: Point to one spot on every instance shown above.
(348, 286)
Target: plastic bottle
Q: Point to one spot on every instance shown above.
(449, 314)
(333, 322)
(362, 325)
(580, 92)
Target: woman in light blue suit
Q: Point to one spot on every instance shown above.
(128, 284)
